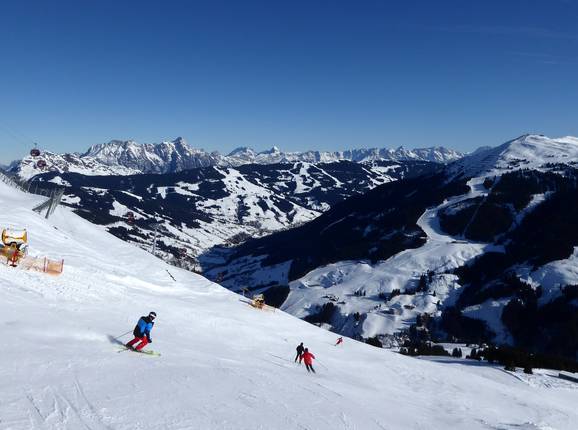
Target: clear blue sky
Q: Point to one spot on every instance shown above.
(296, 74)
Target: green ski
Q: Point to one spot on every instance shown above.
(147, 352)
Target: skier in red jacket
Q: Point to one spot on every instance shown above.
(308, 360)
(339, 341)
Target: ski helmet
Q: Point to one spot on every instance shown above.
(153, 315)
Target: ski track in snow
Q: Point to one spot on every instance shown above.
(224, 365)
(441, 251)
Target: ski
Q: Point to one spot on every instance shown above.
(147, 352)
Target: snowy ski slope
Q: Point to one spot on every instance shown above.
(441, 253)
(224, 365)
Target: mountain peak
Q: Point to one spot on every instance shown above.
(273, 150)
(529, 151)
(180, 141)
(241, 151)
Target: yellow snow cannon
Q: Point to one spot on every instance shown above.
(16, 237)
(258, 301)
(15, 245)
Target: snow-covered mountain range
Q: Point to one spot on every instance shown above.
(128, 157)
(369, 257)
(482, 250)
(197, 209)
(223, 365)
(275, 155)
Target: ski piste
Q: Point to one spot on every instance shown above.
(68, 376)
(146, 352)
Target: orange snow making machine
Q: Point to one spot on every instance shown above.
(14, 236)
(14, 245)
(15, 249)
(259, 303)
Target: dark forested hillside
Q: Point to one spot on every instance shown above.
(373, 226)
(194, 210)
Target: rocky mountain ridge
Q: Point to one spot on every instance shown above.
(119, 157)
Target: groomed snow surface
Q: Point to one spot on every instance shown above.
(224, 365)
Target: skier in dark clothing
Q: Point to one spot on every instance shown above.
(142, 332)
(299, 356)
(308, 359)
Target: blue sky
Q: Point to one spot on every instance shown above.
(300, 75)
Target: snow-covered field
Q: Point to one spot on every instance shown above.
(224, 365)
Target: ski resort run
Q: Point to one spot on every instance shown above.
(224, 364)
(383, 298)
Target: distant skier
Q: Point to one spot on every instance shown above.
(308, 359)
(300, 348)
(339, 341)
(142, 332)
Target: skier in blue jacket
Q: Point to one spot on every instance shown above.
(142, 332)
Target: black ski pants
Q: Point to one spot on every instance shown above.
(310, 368)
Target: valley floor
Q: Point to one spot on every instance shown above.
(224, 365)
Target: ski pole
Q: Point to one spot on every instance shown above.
(171, 275)
(318, 362)
(124, 334)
